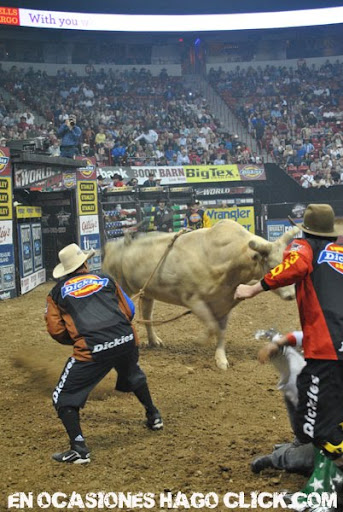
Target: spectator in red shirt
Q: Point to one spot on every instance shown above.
(117, 180)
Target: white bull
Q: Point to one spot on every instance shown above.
(201, 272)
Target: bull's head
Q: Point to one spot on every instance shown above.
(270, 254)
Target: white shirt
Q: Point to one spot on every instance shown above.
(306, 180)
(151, 137)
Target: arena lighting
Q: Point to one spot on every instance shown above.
(169, 23)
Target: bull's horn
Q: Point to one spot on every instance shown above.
(260, 245)
(289, 235)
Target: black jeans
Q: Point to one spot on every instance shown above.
(319, 415)
(78, 378)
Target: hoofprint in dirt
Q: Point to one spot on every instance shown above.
(216, 422)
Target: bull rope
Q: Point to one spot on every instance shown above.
(141, 292)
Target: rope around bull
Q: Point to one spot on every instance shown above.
(141, 292)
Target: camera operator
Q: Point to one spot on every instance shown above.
(70, 134)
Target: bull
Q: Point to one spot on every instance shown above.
(201, 272)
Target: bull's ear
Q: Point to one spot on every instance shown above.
(263, 247)
(289, 235)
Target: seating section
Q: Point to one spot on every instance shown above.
(296, 115)
(127, 118)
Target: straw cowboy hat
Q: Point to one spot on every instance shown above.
(71, 258)
(319, 220)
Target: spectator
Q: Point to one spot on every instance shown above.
(151, 181)
(100, 137)
(318, 180)
(306, 179)
(133, 182)
(118, 153)
(102, 186)
(117, 181)
(23, 125)
(70, 135)
(148, 137)
(196, 217)
(54, 149)
(163, 217)
(182, 157)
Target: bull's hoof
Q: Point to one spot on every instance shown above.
(222, 364)
(155, 342)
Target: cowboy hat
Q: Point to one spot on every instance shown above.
(71, 258)
(319, 220)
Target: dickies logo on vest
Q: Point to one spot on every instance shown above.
(333, 255)
(83, 286)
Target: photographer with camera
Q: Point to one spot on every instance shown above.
(70, 134)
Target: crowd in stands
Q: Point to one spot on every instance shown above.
(296, 115)
(127, 118)
(134, 118)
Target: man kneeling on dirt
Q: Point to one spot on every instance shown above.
(294, 457)
(92, 313)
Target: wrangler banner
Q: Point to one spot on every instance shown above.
(244, 215)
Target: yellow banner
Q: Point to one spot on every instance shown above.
(28, 212)
(244, 215)
(210, 173)
(6, 198)
(87, 193)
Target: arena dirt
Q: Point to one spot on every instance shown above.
(215, 422)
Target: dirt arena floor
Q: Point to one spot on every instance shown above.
(215, 422)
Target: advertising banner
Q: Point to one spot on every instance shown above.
(37, 245)
(7, 269)
(5, 198)
(171, 175)
(25, 249)
(146, 22)
(92, 241)
(224, 191)
(276, 228)
(245, 216)
(209, 173)
(30, 282)
(89, 225)
(251, 172)
(5, 185)
(88, 172)
(44, 179)
(28, 176)
(31, 268)
(28, 212)
(87, 194)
